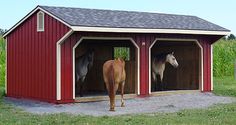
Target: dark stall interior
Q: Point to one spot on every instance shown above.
(187, 75)
(107, 50)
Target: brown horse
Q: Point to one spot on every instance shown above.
(114, 75)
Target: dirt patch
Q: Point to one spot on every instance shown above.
(168, 103)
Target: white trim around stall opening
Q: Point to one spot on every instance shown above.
(108, 38)
(177, 40)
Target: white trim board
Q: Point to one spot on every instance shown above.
(58, 56)
(211, 67)
(108, 38)
(6, 68)
(176, 40)
(143, 30)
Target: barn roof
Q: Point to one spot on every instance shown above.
(130, 19)
(98, 20)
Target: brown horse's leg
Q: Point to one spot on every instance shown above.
(112, 101)
(122, 94)
(112, 96)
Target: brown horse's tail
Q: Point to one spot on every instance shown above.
(112, 80)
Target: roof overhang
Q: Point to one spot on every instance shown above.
(118, 30)
(142, 30)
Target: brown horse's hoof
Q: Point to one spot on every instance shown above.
(112, 110)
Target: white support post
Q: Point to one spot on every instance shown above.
(6, 68)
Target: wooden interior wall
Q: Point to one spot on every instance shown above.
(186, 76)
(94, 83)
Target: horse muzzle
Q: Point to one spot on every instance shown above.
(176, 65)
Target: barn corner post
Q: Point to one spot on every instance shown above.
(212, 41)
(58, 64)
(211, 54)
(207, 65)
(6, 66)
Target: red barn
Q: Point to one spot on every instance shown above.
(42, 47)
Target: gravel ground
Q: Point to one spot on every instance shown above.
(168, 103)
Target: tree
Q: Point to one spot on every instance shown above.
(231, 37)
(224, 38)
(2, 31)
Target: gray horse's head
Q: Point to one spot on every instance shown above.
(172, 60)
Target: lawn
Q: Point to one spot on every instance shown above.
(225, 86)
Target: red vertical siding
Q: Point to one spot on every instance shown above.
(31, 61)
(206, 64)
(144, 43)
(66, 68)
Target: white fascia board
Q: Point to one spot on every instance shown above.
(140, 30)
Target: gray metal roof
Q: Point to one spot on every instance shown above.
(130, 19)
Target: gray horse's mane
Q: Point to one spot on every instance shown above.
(85, 57)
(85, 54)
(161, 57)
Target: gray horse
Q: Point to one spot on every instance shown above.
(82, 65)
(158, 65)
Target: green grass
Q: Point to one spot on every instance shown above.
(216, 115)
(225, 86)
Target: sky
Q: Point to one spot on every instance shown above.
(221, 12)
